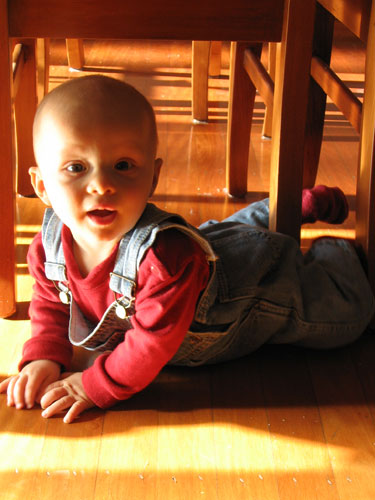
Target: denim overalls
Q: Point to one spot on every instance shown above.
(261, 288)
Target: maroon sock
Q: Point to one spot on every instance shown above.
(324, 203)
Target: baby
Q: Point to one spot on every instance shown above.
(141, 287)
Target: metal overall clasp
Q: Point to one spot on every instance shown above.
(124, 304)
(64, 292)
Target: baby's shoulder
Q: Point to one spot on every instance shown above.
(36, 248)
(174, 250)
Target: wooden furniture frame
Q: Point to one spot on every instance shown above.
(206, 61)
(241, 20)
(25, 102)
(353, 14)
(359, 17)
(284, 209)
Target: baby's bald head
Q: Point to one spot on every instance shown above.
(92, 101)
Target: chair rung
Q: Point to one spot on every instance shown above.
(259, 76)
(335, 88)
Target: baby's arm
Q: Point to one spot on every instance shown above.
(171, 278)
(26, 388)
(48, 351)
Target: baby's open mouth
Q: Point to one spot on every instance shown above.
(102, 216)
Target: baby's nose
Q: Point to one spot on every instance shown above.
(101, 183)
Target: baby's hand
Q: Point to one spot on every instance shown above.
(26, 388)
(66, 394)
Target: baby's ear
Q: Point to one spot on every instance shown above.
(157, 166)
(38, 185)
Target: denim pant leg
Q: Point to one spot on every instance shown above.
(255, 214)
(331, 298)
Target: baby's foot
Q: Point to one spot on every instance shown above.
(324, 203)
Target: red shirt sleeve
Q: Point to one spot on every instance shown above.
(49, 316)
(170, 280)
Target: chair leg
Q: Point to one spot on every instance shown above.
(322, 46)
(7, 205)
(240, 113)
(365, 199)
(267, 123)
(42, 64)
(25, 102)
(214, 68)
(289, 117)
(200, 64)
(76, 56)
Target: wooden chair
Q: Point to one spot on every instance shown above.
(241, 20)
(25, 103)
(247, 75)
(206, 61)
(359, 17)
(286, 179)
(355, 16)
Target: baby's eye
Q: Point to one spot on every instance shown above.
(75, 168)
(124, 165)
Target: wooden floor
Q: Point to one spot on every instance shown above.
(281, 424)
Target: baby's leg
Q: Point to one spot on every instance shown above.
(255, 214)
(333, 301)
(319, 203)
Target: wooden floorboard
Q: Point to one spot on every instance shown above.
(283, 423)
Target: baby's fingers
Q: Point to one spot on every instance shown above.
(8, 385)
(4, 384)
(58, 402)
(53, 393)
(76, 409)
(16, 391)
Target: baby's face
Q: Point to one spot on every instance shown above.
(97, 178)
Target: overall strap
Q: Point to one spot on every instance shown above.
(135, 243)
(131, 250)
(51, 237)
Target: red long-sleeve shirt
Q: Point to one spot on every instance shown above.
(170, 279)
